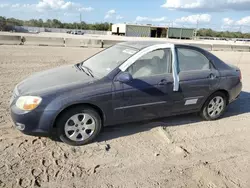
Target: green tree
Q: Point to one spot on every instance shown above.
(2, 23)
(56, 23)
(226, 34)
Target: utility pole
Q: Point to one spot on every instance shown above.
(240, 29)
(81, 20)
(181, 33)
(197, 25)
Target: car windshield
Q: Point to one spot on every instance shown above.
(104, 62)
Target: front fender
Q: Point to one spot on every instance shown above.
(60, 102)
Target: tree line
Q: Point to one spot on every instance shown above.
(7, 24)
(222, 34)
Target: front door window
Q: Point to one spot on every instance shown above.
(154, 63)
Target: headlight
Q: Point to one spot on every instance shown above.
(28, 103)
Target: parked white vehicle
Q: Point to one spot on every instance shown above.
(77, 32)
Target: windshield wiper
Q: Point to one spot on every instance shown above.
(82, 69)
(90, 72)
(85, 69)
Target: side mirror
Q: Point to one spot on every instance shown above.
(124, 77)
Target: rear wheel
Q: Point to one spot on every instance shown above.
(79, 126)
(214, 107)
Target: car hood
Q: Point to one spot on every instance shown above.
(53, 79)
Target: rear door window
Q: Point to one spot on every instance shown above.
(191, 60)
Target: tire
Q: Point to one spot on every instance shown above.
(79, 126)
(208, 109)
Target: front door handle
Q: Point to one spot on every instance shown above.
(212, 76)
(163, 82)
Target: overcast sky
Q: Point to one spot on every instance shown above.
(216, 14)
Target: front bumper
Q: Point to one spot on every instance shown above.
(30, 123)
(38, 122)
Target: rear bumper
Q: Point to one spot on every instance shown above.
(235, 92)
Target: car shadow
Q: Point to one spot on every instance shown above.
(238, 107)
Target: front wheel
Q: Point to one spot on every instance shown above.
(79, 126)
(214, 107)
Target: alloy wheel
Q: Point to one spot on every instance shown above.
(80, 127)
(216, 106)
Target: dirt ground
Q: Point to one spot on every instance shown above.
(176, 152)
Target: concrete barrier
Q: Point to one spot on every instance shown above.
(99, 43)
(222, 47)
(208, 47)
(108, 43)
(241, 48)
(43, 41)
(94, 43)
(10, 39)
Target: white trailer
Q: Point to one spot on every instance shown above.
(119, 29)
(131, 30)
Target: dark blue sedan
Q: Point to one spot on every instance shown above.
(128, 82)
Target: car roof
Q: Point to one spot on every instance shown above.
(142, 44)
(139, 45)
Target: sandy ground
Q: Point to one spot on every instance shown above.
(176, 152)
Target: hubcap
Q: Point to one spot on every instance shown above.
(215, 107)
(80, 127)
